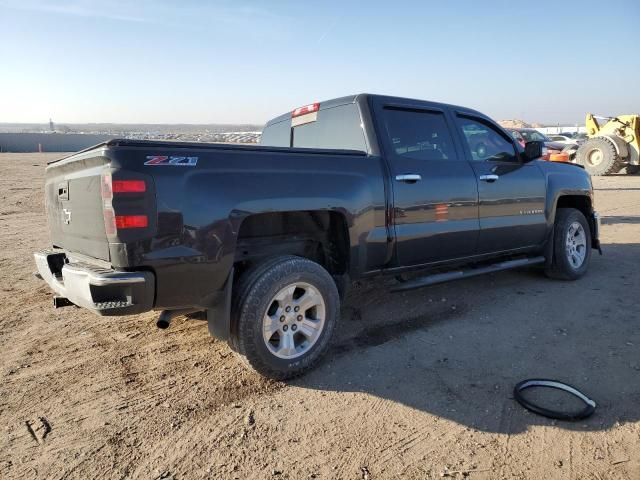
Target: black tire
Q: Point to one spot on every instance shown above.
(609, 161)
(561, 267)
(633, 169)
(254, 295)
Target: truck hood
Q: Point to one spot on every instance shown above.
(562, 167)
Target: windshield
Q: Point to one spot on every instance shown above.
(533, 136)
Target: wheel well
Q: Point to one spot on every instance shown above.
(582, 203)
(579, 202)
(320, 236)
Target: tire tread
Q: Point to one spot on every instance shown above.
(559, 268)
(250, 292)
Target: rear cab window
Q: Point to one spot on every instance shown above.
(337, 127)
(277, 134)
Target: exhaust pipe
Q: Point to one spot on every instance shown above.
(59, 302)
(164, 320)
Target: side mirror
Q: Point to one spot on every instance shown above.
(533, 150)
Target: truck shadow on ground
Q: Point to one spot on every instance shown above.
(620, 219)
(456, 350)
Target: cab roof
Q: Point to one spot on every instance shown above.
(364, 97)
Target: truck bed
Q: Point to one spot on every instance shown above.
(184, 223)
(123, 142)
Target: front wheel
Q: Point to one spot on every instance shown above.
(284, 314)
(571, 245)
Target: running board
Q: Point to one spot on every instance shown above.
(459, 274)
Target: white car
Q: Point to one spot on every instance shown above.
(563, 139)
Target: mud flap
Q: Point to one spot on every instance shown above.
(548, 248)
(219, 316)
(594, 224)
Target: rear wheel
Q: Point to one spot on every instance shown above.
(284, 314)
(571, 245)
(599, 157)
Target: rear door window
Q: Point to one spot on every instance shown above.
(418, 134)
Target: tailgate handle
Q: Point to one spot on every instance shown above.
(63, 191)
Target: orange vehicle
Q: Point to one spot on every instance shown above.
(558, 157)
(553, 151)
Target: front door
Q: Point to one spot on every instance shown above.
(511, 192)
(434, 187)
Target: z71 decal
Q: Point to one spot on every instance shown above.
(171, 160)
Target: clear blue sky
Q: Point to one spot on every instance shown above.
(191, 61)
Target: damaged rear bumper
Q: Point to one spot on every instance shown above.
(102, 290)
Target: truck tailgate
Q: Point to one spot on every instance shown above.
(74, 205)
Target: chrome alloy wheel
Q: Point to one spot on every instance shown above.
(576, 245)
(294, 320)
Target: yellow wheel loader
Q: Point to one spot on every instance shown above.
(611, 146)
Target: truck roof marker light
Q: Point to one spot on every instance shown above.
(306, 114)
(311, 108)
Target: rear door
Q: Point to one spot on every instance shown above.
(511, 192)
(434, 187)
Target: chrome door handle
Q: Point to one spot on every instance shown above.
(409, 177)
(489, 178)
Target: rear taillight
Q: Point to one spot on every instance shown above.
(111, 188)
(131, 221)
(128, 186)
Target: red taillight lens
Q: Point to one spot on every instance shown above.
(313, 107)
(113, 222)
(131, 221)
(128, 186)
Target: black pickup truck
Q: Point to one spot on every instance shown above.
(265, 239)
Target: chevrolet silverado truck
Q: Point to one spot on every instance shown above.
(265, 239)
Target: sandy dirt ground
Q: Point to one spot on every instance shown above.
(418, 385)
